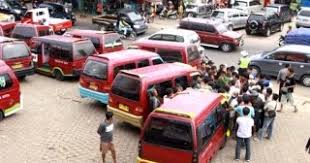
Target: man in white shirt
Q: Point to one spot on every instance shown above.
(244, 133)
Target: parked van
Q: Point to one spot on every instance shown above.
(61, 56)
(10, 96)
(103, 41)
(188, 128)
(17, 55)
(99, 71)
(173, 51)
(129, 98)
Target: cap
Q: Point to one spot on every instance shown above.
(244, 53)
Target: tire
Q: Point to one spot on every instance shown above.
(58, 75)
(268, 32)
(253, 25)
(1, 115)
(132, 36)
(225, 47)
(305, 80)
(257, 69)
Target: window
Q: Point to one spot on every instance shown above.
(220, 114)
(235, 15)
(217, 14)
(168, 38)
(96, 69)
(305, 13)
(169, 133)
(127, 87)
(157, 61)
(276, 56)
(62, 53)
(182, 81)
(13, 51)
(143, 63)
(206, 130)
(254, 3)
(23, 32)
(156, 37)
(5, 81)
(95, 41)
(296, 57)
(112, 41)
(162, 87)
(193, 53)
(83, 49)
(128, 66)
(198, 27)
(170, 55)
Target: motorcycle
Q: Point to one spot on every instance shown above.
(130, 33)
(168, 14)
(281, 40)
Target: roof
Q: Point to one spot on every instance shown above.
(295, 48)
(127, 55)
(58, 38)
(190, 103)
(152, 73)
(155, 43)
(201, 20)
(180, 32)
(31, 25)
(85, 32)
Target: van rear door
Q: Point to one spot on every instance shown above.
(17, 55)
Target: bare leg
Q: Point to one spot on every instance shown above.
(113, 152)
(104, 149)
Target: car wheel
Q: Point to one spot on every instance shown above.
(226, 47)
(253, 25)
(256, 70)
(305, 80)
(268, 32)
(1, 115)
(58, 75)
(230, 27)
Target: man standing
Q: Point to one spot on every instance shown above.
(244, 62)
(105, 131)
(281, 78)
(244, 134)
(288, 90)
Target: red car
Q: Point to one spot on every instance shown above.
(189, 128)
(17, 55)
(104, 42)
(6, 28)
(213, 34)
(10, 96)
(27, 32)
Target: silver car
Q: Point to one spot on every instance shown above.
(232, 18)
(248, 5)
(303, 18)
(271, 62)
(198, 10)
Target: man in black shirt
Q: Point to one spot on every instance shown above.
(288, 90)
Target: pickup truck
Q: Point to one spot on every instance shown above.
(109, 22)
(41, 16)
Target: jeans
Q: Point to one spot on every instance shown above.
(267, 127)
(247, 142)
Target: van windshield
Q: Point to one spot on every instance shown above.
(126, 87)
(170, 56)
(12, 51)
(170, 133)
(5, 81)
(84, 49)
(96, 69)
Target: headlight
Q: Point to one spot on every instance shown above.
(136, 26)
(17, 11)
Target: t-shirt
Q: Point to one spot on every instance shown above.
(245, 125)
(290, 81)
(106, 132)
(239, 110)
(270, 106)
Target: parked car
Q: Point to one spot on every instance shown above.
(61, 56)
(282, 10)
(248, 5)
(263, 23)
(173, 51)
(42, 16)
(17, 55)
(103, 41)
(27, 32)
(129, 97)
(198, 10)
(110, 22)
(99, 71)
(213, 33)
(13, 7)
(57, 10)
(271, 62)
(195, 123)
(233, 18)
(11, 100)
(6, 28)
(177, 35)
(303, 18)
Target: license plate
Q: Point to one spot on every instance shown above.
(93, 86)
(123, 107)
(17, 66)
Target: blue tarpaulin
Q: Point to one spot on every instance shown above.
(300, 36)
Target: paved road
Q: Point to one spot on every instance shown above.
(57, 126)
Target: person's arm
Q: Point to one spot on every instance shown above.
(100, 129)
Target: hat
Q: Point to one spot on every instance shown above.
(244, 53)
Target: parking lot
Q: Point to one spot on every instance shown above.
(56, 125)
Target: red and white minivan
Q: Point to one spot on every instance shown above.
(10, 96)
(187, 129)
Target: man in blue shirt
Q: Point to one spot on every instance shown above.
(246, 102)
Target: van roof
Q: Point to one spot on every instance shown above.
(92, 32)
(180, 32)
(151, 73)
(31, 25)
(58, 38)
(154, 43)
(190, 104)
(127, 55)
(295, 48)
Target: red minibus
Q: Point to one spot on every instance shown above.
(188, 128)
(129, 98)
(61, 56)
(99, 71)
(10, 96)
(173, 51)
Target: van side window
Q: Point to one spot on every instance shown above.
(296, 57)
(182, 81)
(124, 67)
(220, 114)
(156, 37)
(157, 61)
(206, 130)
(170, 56)
(95, 41)
(5, 81)
(143, 63)
(162, 87)
(58, 52)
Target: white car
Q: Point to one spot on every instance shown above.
(232, 18)
(177, 35)
(303, 18)
(248, 5)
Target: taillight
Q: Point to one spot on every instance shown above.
(139, 110)
(195, 157)
(82, 81)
